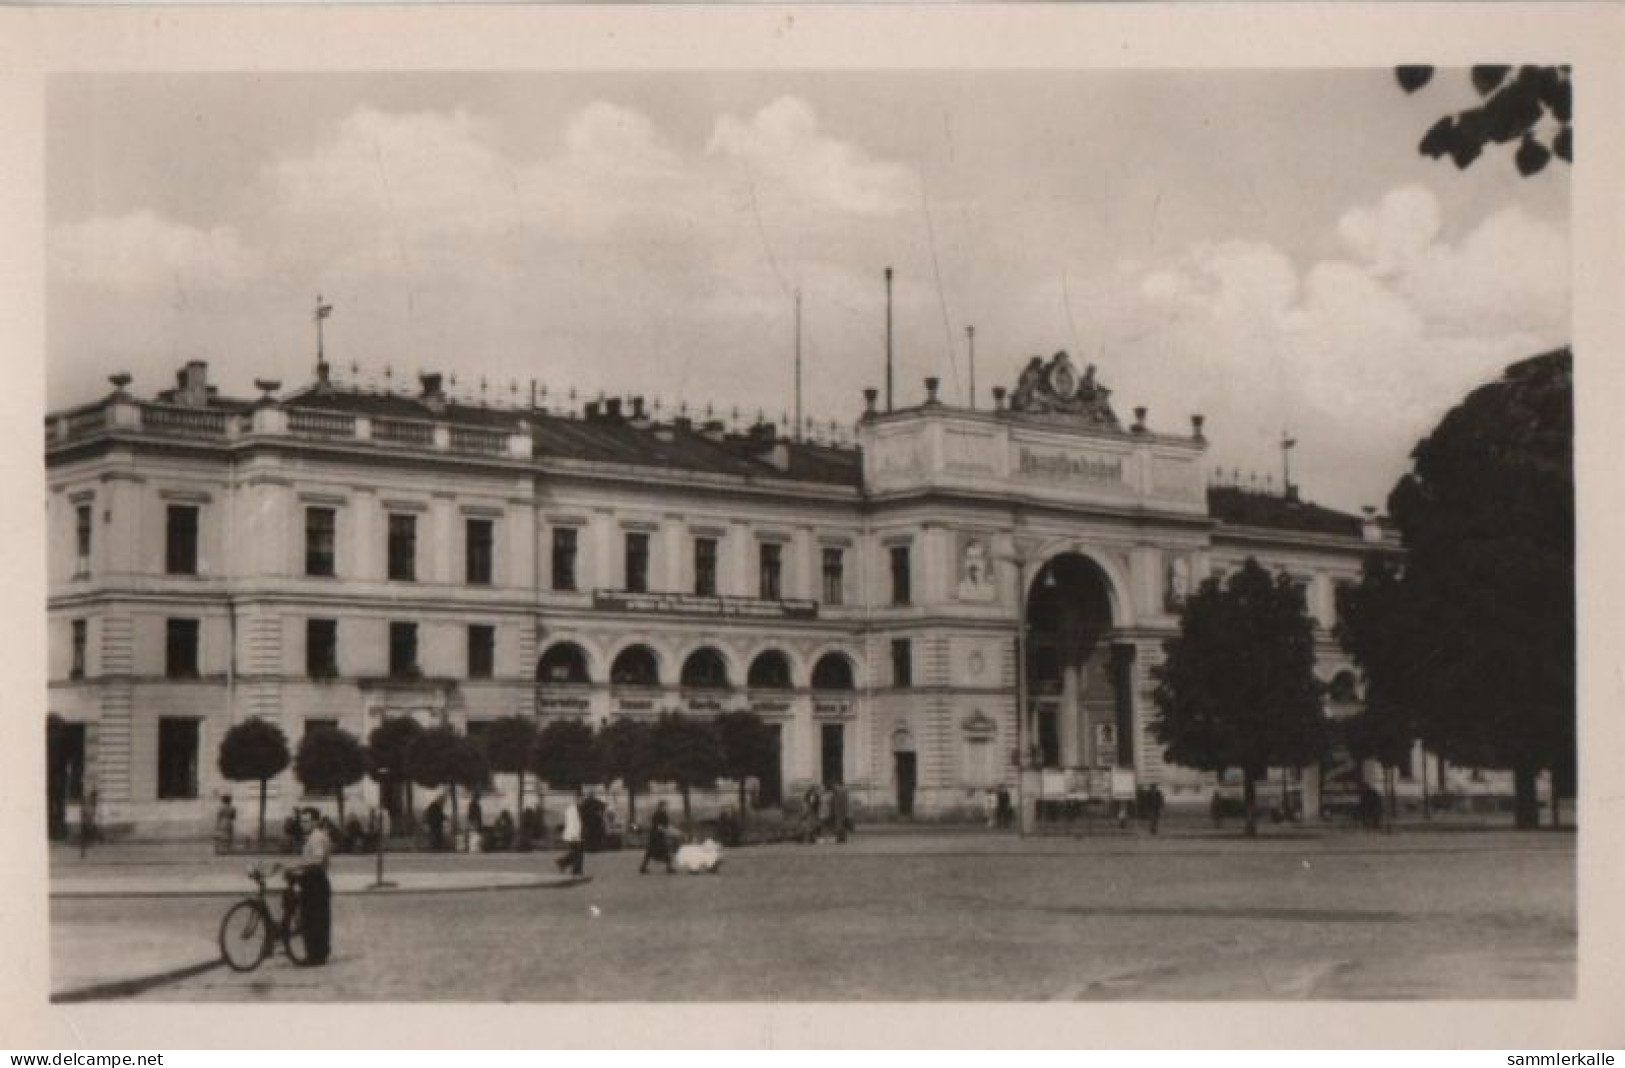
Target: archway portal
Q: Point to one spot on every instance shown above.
(1079, 689)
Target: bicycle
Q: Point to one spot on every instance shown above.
(250, 930)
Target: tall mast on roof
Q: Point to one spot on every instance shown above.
(322, 312)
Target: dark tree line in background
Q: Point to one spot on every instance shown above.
(565, 754)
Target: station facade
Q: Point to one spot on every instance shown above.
(337, 556)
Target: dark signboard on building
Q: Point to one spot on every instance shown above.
(689, 604)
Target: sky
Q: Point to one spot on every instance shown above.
(1266, 248)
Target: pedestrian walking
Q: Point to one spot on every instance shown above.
(1006, 810)
(812, 802)
(225, 825)
(1153, 806)
(574, 860)
(435, 817)
(838, 817)
(315, 892)
(990, 807)
(659, 846)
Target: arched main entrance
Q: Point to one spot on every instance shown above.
(1080, 709)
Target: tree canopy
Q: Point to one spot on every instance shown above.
(329, 760)
(1487, 517)
(1528, 104)
(1376, 628)
(254, 750)
(625, 751)
(687, 753)
(747, 746)
(564, 756)
(508, 741)
(1237, 688)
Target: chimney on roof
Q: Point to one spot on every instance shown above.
(192, 384)
(1370, 528)
(714, 430)
(612, 409)
(434, 396)
(778, 454)
(590, 411)
(640, 417)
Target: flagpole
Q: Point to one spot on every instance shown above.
(798, 365)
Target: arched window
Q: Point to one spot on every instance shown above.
(832, 672)
(705, 670)
(563, 663)
(770, 671)
(635, 666)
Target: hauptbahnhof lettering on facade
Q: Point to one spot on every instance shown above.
(311, 556)
(1060, 466)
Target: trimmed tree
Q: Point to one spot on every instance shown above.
(508, 742)
(686, 752)
(329, 760)
(564, 755)
(1487, 518)
(441, 757)
(388, 747)
(747, 748)
(254, 750)
(1237, 687)
(626, 752)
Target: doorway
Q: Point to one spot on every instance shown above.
(905, 768)
(832, 753)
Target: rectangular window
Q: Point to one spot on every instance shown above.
(403, 548)
(177, 759)
(901, 589)
(180, 649)
(772, 568)
(321, 534)
(77, 671)
(902, 663)
(322, 648)
(564, 558)
(482, 651)
(834, 576)
(82, 529)
(479, 552)
(403, 650)
(180, 556)
(705, 567)
(637, 561)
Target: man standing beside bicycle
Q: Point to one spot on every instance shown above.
(315, 891)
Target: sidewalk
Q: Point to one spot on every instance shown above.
(186, 881)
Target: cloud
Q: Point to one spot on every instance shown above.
(1349, 351)
(142, 251)
(782, 141)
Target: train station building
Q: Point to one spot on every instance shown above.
(337, 555)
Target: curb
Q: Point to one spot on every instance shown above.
(364, 891)
(125, 988)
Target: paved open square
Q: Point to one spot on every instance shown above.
(888, 916)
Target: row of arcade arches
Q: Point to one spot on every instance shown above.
(567, 664)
